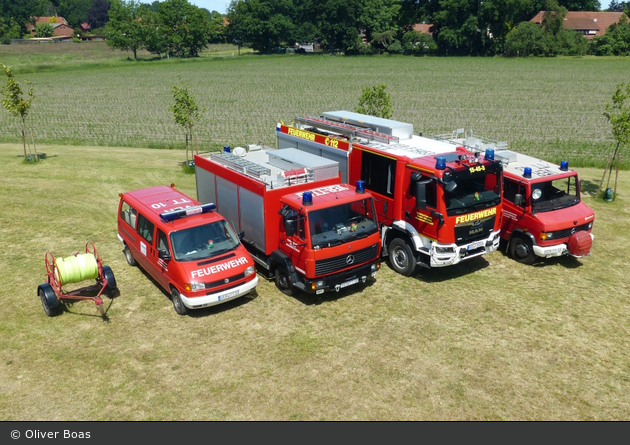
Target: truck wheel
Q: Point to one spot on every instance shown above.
(111, 281)
(49, 300)
(401, 257)
(283, 282)
(130, 260)
(521, 250)
(178, 304)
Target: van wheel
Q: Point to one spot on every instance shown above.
(401, 257)
(521, 250)
(49, 300)
(130, 260)
(283, 282)
(178, 304)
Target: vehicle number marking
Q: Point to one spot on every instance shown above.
(476, 169)
(349, 283)
(229, 295)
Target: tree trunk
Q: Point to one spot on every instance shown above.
(197, 148)
(24, 142)
(187, 150)
(135, 57)
(610, 163)
(617, 173)
(34, 148)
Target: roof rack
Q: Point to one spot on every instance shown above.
(466, 138)
(347, 129)
(241, 165)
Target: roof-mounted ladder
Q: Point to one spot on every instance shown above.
(347, 129)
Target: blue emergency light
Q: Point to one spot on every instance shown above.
(307, 198)
(226, 149)
(527, 172)
(440, 162)
(489, 154)
(564, 166)
(360, 186)
(189, 211)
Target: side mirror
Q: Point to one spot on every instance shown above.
(420, 193)
(241, 235)
(289, 228)
(164, 255)
(450, 186)
(518, 199)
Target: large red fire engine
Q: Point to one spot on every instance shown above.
(543, 215)
(440, 204)
(301, 224)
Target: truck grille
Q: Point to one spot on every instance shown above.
(330, 265)
(469, 232)
(568, 232)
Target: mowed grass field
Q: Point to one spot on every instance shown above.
(490, 339)
(88, 94)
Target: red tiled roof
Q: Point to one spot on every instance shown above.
(423, 28)
(586, 20)
(46, 19)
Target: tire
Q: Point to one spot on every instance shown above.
(521, 250)
(130, 259)
(178, 304)
(49, 300)
(283, 282)
(401, 258)
(111, 280)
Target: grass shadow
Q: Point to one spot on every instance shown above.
(440, 274)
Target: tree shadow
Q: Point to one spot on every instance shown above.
(589, 187)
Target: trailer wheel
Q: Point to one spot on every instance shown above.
(521, 250)
(49, 300)
(283, 282)
(401, 257)
(178, 304)
(111, 280)
(130, 259)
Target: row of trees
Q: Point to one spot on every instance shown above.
(171, 27)
(461, 27)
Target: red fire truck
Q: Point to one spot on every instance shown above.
(188, 249)
(301, 224)
(440, 204)
(543, 215)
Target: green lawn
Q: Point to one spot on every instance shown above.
(490, 339)
(91, 95)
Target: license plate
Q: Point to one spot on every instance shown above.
(349, 283)
(230, 295)
(476, 245)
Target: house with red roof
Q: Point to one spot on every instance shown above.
(59, 24)
(589, 23)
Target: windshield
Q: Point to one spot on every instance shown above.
(473, 193)
(555, 195)
(202, 242)
(342, 223)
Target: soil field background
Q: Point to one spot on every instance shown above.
(489, 339)
(89, 94)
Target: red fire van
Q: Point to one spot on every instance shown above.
(188, 248)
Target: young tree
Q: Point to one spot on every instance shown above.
(375, 102)
(618, 114)
(15, 103)
(186, 112)
(43, 30)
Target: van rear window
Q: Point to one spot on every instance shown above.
(128, 214)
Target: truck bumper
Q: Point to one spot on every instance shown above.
(342, 280)
(557, 250)
(219, 297)
(449, 254)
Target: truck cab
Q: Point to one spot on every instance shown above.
(191, 251)
(543, 213)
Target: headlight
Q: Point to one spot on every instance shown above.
(194, 286)
(376, 266)
(444, 249)
(546, 235)
(250, 270)
(317, 284)
(590, 225)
